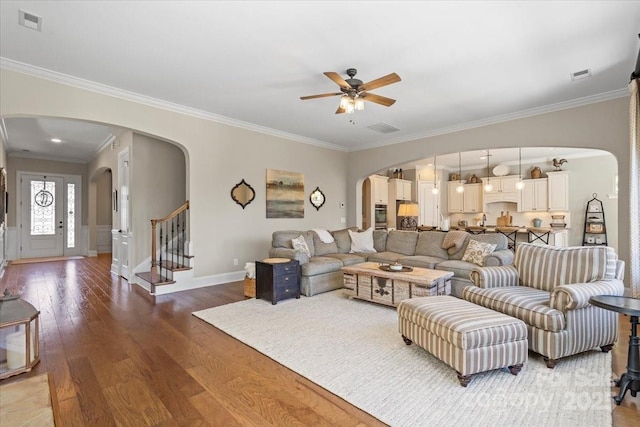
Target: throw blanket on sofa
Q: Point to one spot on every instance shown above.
(453, 241)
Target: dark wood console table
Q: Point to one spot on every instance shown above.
(630, 380)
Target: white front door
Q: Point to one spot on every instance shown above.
(42, 221)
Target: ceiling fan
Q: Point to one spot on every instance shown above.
(354, 92)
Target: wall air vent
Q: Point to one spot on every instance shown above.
(29, 20)
(383, 128)
(582, 74)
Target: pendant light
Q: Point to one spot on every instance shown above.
(435, 189)
(488, 187)
(460, 187)
(520, 183)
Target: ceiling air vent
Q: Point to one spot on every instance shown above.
(582, 74)
(29, 20)
(383, 128)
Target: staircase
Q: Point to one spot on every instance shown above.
(171, 259)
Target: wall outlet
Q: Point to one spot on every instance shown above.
(235, 261)
(343, 220)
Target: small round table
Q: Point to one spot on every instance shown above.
(630, 380)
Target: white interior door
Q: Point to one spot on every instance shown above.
(124, 209)
(42, 220)
(429, 204)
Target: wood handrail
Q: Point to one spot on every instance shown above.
(154, 223)
(184, 207)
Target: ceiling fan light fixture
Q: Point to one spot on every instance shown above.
(359, 104)
(344, 102)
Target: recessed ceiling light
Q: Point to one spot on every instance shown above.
(483, 157)
(56, 140)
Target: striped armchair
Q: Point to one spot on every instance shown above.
(549, 288)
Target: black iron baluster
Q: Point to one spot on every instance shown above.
(159, 269)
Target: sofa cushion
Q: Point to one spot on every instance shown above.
(319, 265)
(402, 242)
(430, 244)
(476, 252)
(322, 248)
(342, 239)
(460, 269)
(544, 267)
(282, 239)
(362, 241)
(300, 245)
(384, 257)
(525, 303)
(380, 240)
(348, 259)
(421, 261)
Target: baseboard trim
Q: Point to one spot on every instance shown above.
(202, 282)
(92, 253)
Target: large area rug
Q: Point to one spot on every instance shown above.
(353, 349)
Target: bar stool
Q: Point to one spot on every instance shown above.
(537, 233)
(511, 234)
(476, 230)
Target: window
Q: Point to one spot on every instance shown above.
(71, 217)
(43, 208)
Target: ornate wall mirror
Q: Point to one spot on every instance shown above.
(243, 194)
(317, 198)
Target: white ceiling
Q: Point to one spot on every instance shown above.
(462, 64)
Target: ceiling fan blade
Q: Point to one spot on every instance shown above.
(337, 79)
(340, 110)
(382, 100)
(323, 95)
(382, 81)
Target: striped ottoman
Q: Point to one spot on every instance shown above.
(465, 336)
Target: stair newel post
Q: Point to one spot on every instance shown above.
(178, 259)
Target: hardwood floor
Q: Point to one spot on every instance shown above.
(121, 357)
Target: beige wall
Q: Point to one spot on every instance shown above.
(602, 125)
(158, 187)
(218, 157)
(24, 164)
(104, 214)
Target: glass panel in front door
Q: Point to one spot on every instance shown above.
(43, 208)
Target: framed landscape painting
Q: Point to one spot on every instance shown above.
(285, 194)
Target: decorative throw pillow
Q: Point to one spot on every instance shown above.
(299, 244)
(477, 251)
(363, 241)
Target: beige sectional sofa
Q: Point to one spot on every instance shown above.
(549, 288)
(320, 272)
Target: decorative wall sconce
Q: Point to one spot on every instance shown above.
(243, 194)
(317, 198)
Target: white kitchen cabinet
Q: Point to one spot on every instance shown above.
(379, 189)
(472, 198)
(504, 189)
(558, 190)
(559, 238)
(399, 189)
(534, 196)
(455, 200)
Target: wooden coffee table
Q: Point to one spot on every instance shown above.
(368, 282)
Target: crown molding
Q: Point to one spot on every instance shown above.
(578, 102)
(80, 83)
(20, 67)
(28, 155)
